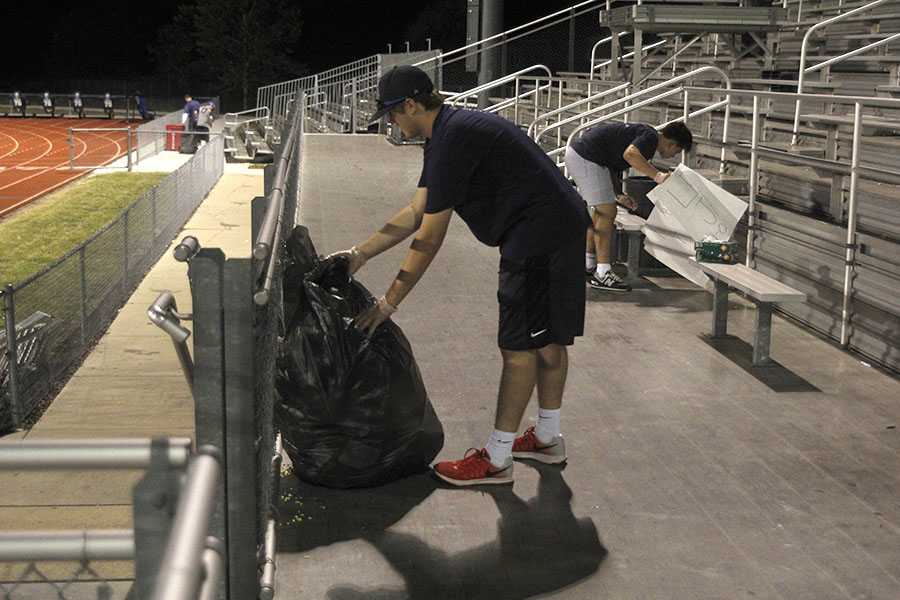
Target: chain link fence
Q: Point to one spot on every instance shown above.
(60, 312)
(81, 581)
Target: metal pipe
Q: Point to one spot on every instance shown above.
(213, 569)
(267, 579)
(628, 98)
(262, 294)
(74, 545)
(128, 144)
(265, 239)
(164, 314)
(852, 53)
(91, 454)
(802, 68)
(486, 86)
(513, 30)
(179, 576)
(187, 249)
(594, 54)
(671, 58)
(850, 256)
(754, 183)
(588, 100)
(12, 357)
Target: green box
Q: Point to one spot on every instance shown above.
(716, 252)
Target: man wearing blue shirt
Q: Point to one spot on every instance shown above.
(191, 111)
(511, 195)
(596, 161)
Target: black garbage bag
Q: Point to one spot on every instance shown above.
(353, 412)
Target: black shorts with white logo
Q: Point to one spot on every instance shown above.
(542, 299)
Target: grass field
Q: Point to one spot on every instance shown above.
(37, 235)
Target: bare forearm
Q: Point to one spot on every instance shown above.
(401, 226)
(418, 258)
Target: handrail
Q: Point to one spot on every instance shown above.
(234, 115)
(801, 71)
(570, 106)
(597, 45)
(506, 33)
(671, 58)
(134, 453)
(640, 93)
(492, 84)
(646, 48)
(856, 171)
(265, 239)
(164, 314)
(181, 573)
(510, 101)
(270, 230)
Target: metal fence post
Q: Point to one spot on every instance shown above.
(71, 148)
(154, 499)
(12, 357)
(125, 253)
(82, 279)
(128, 144)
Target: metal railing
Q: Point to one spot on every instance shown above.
(237, 306)
(803, 69)
(627, 100)
(174, 559)
(855, 170)
(348, 92)
(141, 142)
(80, 293)
(454, 99)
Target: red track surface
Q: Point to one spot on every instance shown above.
(34, 155)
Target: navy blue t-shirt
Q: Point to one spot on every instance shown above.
(606, 143)
(501, 184)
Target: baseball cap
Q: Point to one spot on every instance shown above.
(397, 85)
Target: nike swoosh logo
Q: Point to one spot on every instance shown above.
(537, 333)
(490, 473)
(539, 448)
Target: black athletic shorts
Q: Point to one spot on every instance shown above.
(542, 299)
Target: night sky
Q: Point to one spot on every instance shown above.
(94, 39)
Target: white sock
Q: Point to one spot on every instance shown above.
(547, 426)
(499, 447)
(590, 261)
(603, 269)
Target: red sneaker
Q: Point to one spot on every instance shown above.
(528, 446)
(475, 469)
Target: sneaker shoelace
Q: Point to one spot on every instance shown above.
(473, 462)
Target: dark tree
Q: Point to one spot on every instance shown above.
(231, 47)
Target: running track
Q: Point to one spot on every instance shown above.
(34, 155)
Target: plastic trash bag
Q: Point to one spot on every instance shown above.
(352, 412)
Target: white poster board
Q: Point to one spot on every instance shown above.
(687, 208)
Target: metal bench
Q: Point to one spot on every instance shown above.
(763, 290)
(631, 226)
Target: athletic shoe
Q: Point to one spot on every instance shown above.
(475, 469)
(528, 446)
(609, 282)
(588, 273)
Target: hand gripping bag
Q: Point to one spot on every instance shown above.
(352, 412)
